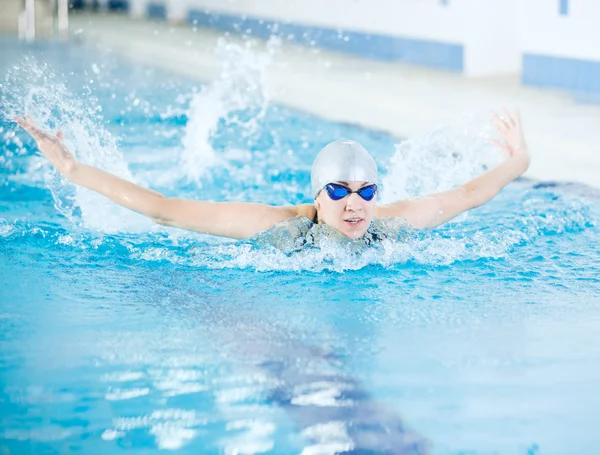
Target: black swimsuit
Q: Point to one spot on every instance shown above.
(371, 236)
(300, 232)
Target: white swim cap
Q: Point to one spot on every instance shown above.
(345, 161)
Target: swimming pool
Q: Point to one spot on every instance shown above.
(119, 336)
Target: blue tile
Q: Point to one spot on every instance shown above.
(576, 75)
(563, 7)
(156, 10)
(118, 5)
(77, 4)
(448, 56)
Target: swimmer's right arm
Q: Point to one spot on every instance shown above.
(227, 219)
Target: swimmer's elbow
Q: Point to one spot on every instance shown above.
(161, 221)
(159, 210)
(472, 197)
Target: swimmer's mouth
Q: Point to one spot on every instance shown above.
(354, 221)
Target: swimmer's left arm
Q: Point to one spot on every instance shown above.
(436, 209)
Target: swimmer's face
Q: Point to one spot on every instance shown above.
(351, 215)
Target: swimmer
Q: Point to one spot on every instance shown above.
(344, 187)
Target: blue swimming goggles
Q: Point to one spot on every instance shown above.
(337, 191)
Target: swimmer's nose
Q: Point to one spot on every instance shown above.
(353, 202)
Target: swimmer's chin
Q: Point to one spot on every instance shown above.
(354, 234)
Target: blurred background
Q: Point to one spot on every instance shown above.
(549, 42)
(392, 65)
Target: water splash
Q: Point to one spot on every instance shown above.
(239, 96)
(448, 155)
(33, 88)
(455, 152)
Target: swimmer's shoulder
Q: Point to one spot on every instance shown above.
(282, 213)
(279, 215)
(291, 232)
(303, 210)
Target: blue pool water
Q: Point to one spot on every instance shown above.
(117, 336)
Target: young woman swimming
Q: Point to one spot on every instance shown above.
(344, 187)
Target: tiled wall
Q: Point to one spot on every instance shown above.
(552, 43)
(560, 44)
(424, 32)
(437, 54)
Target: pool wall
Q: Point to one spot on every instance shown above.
(433, 33)
(550, 43)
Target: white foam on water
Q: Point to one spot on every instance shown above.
(172, 428)
(172, 437)
(6, 229)
(174, 382)
(115, 394)
(123, 376)
(319, 394)
(432, 250)
(330, 438)
(111, 435)
(237, 394)
(255, 438)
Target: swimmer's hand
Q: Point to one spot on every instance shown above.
(435, 209)
(51, 146)
(512, 140)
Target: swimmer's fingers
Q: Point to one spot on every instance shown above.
(508, 118)
(500, 124)
(38, 134)
(502, 146)
(507, 124)
(517, 117)
(511, 141)
(52, 146)
(23, 124)
(28, 125)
